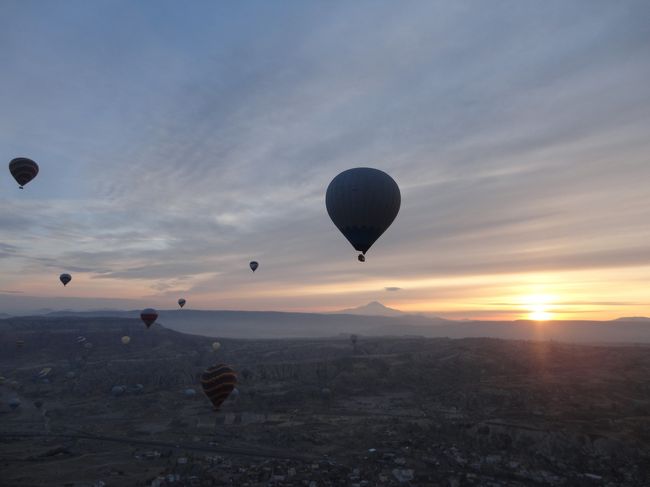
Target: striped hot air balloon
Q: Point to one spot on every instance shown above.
(149, 316)
(218, 382)
(23, 170)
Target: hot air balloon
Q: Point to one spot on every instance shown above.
(218, 382)
(362, 202)
(216, 346)
(65, 279)
(181, 302)
(254, 265)
(126, 340)
(23, 170)
(149, 316)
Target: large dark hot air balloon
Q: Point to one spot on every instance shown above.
(181, 302)
(254, 265)
(65, 279)
(149, 316)
(23, 170)
(362, 202)
(218, 382)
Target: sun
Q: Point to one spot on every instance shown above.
(538, 307)
(539, 313)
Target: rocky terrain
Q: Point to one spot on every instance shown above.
(316, 412)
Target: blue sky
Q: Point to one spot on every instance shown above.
(178, 141)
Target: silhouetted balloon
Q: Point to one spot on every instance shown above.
(149, 316)
(23, 170)
(126, 340)
(353, 339)
(216, 346)
(254, 265)
(362, 202)
(181, 302)
(218, 382)
(65, 279)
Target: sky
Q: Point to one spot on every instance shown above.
(178, 141)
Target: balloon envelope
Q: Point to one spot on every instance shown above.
(126, 340)
(218, 382)
(65, 279)
(362, 202)
(181, 302)
(149, 316)
(23, 170)
(216, 346)
(254, 265)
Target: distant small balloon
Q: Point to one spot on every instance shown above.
(65, 279)
(216, 346)
(149, 316)
(23, 170)
(254, 265)
(126, 340)
(181, 302)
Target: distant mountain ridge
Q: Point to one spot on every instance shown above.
(276, 325)
(374, 308)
